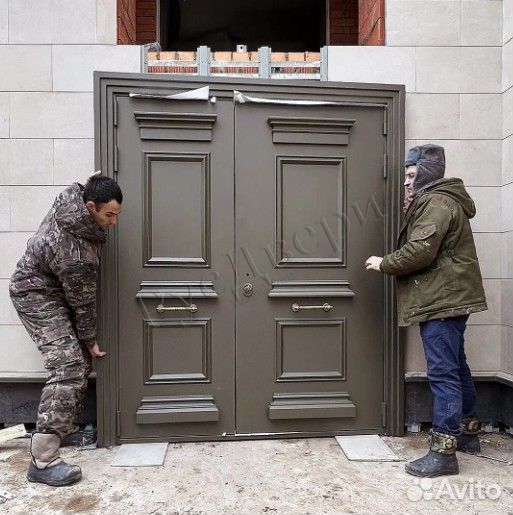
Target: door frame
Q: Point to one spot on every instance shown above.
(390, 97)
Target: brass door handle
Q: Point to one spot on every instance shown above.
(296, 307)
(161, 308)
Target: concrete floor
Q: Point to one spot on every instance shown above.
(300, 476)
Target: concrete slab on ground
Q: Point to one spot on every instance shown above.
(140, 455)
(366, 448)
(288, 476)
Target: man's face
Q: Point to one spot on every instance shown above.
(104, 214)
(409, 176)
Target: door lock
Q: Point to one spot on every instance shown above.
(247, 289)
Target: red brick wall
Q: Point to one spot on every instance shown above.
(343, 20)
(126, 22)
(371, 22)
(146, 21)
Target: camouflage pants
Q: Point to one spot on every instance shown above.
(68, 364)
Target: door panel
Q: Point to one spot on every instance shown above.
(176, 367)
(309, 211)
(257, 220)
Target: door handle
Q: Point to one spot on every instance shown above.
(296, 307)
(161, 308)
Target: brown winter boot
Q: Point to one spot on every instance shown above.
(439, 461)
(468, 441)
(46, 466)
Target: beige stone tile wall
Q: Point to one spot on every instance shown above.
(48, 52)
(452, 56)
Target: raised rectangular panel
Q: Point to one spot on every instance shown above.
(177, 409)
(177, 351)
(295, 289)
(315, 236)
(175, 126)
(176, 210)
(286, 406)
(310, 131)
(310, 350)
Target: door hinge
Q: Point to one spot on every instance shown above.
(385, 166)
(384, 414)
(385, 121)
(116, 158)
(118, 424)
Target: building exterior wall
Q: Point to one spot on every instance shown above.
(454, 56)
(48, 51)
(448, 53)
(507, 189)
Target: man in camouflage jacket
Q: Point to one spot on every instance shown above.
(54, 292)
(439, 285)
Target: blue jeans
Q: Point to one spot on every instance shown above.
(454, 394)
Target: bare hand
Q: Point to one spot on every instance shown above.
(373, 263)
(96, 352)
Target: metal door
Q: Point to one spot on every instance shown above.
(310, 198)
(176, 314)
(235, 299)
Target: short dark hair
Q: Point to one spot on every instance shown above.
(101, 189)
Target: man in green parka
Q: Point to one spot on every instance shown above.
(439, 285)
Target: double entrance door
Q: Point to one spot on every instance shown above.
(244, 303)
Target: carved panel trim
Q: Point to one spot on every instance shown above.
(310, 131)
(175, 126)
(204, 376)
(328, 288)
(177, 409)
(177, 289)
(338, 260)
(311, 405)
(339, 368)
(202, 261)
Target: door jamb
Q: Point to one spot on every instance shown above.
(390, 97)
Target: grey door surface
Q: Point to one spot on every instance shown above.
(176, 367)
(309, 205)
(244, 304)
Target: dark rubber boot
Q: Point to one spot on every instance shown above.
(46, 466)
(439, 461)
(61, 474)
(468, 441)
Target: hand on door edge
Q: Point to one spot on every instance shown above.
(95, 351)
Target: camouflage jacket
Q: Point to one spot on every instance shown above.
(57, 275)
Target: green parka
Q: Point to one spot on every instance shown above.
(436, 264)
